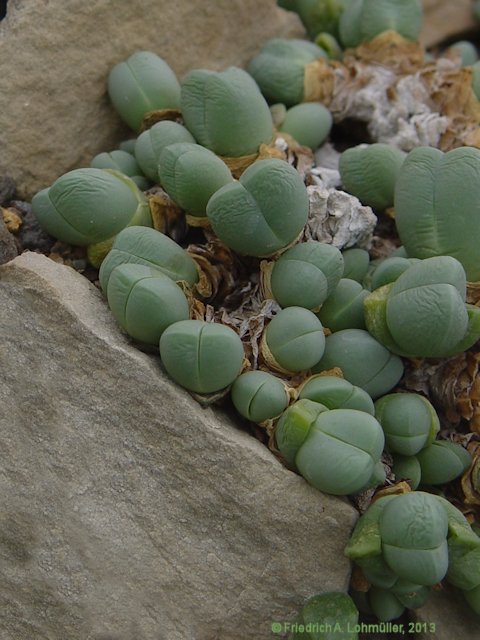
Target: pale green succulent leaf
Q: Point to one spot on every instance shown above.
(343, 308)
(142, 245)
(145, 302)
(259, 396)
(295, 338)
(336, 393)
(203, 357)
(150, 144)
(437, 207)
(143, 83)
(225, 111)
(191, 174)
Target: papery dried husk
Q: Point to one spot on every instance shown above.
(282, 147)
(470, 480)
(249, 320)
(201, 222)
(454, 386)
(269, 359)
(451, 384)
(167, 216)
(473, 293)
(266, 268)
(197, 309)
(221, 272)
(405, 100)
(358, 581)
(451, 93)
(152, 117)
(394, 490)
(389, 49)
(12, 220)
(238, 164)
(319, 80)
(338, 218)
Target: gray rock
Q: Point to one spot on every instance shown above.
(128, 511)
(446, 616)
(8, 246)
(55, 57)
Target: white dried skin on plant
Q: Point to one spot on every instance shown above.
(398, 111)
(337, 218)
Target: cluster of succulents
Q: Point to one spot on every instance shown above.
(407, 543)
(320, 371)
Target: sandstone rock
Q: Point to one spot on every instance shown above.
(128, 512)
(444, 19)
(8, 247)
(445, 616)
(55, 57)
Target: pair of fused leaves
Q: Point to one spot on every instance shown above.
(224, 111)
(355, 21)
(260, 395)
(86, 207)
(337, 451)
(420, 538)
(423, 313)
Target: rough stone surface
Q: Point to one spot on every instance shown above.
(55, 56)
(128, 512)
(443, 19)
(446, 616)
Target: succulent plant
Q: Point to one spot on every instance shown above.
(306, 274)
(142, 83)
(309, 123)
(407, 468)
(263, 211)
(435, 213)
(442, 461)
(150, 144)
(423, 313)
(88, 206)
(362, 20)
(370, 172)
(144, 301)
(124, 162)
(337, 450)
(406, 532)
(466, 50)
(142, 245)
(363, 360)
(463, 555)
(191, 174)
(388, 270)
(225, 111)
(294, 340)
(128, 145)
(279, 69)
(317, 15)
(336, 393)
(343, 309)
(408, 420)
(327, 616)
(203, 357)
(259, 396)
(329, 43)
(476, 78)
(356, 262)
(384, 604)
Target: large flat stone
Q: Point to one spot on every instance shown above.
(55, 56)
(128, 512)
(443, 19)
